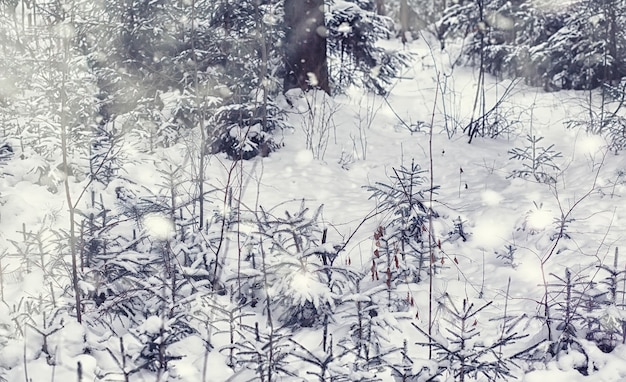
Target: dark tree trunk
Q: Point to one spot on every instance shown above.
(305, 45)
(404, 20)
(380, 7)
(615, 71)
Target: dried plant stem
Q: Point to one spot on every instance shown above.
(431, 239)
(66, 182)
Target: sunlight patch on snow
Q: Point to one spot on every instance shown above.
(596, 19)
(158, 226)
(224, 92)
(491, 198)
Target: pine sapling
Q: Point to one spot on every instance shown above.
(537, 162)
(604, 314)
(462, 355)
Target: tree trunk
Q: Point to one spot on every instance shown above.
(615, 71)
(404, 20)
(380, 7)
(305, 45)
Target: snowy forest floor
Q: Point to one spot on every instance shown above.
(499, 238)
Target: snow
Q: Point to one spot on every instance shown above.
(344, 28)
(152, 325)
(301, 283)
(496, 210)
(491, 197)
(303, 158)
(158, 226)
(493, 228)
(591, 144)
(539, 219)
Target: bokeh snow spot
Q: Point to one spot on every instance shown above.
(591, 144)
(224, 92)
(304, 157)
(500, 21)
(492, 229)
(158, 226)
(491, 198)
(301, 282)
(322, 31)
(539, 219)
(65, 30)
(271, 19)
(312, 79)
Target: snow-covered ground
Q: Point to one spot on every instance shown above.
(357, 141)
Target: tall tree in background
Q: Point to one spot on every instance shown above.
(355, 57)
(404, 20)
(305, 45)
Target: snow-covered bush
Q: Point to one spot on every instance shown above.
(564, 319)
(372, 328)
(303, 282)
(244, 131)
(265, 356)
